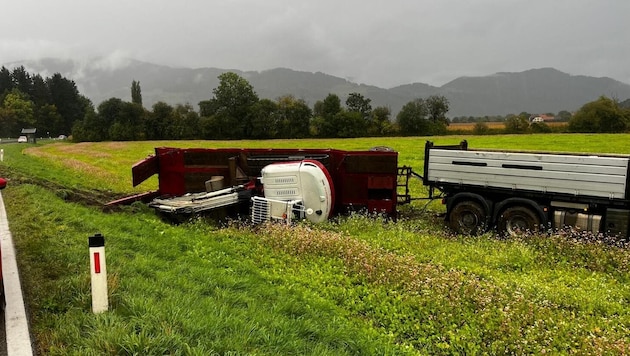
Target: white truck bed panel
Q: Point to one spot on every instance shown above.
(547, 173)
(534, 157)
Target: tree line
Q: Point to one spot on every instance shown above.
(561, 116)
(52, 104)
(236, 112)
(603, 115)
(55, 106)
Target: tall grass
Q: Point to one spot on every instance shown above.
(187, 289)
(358, 285)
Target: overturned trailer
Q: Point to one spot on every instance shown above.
(271, 183)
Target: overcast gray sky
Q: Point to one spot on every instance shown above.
(383, 43)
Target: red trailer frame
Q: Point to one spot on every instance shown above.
(363, 180)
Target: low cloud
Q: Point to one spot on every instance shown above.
(378, 43)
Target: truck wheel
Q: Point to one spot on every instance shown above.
(518, 220)
(467, 218)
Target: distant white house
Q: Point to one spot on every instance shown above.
(541, 118)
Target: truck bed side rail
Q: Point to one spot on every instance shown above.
(602, 177)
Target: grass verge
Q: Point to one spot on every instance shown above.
(189, 289)
(358, 285)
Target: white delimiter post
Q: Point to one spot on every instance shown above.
(99, 273)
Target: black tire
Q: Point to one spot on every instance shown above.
(518, 220)
(468, 218)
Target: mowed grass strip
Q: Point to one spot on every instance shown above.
(113, 161)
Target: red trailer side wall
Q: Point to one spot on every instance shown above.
(362, 179)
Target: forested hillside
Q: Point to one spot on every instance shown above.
(534, 91)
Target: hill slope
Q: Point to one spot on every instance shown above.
(535, 91)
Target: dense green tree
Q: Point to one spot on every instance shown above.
(90, 128)
(208, 108)
(9, 119)
(318, 127)
(108, 114)
(232, 103)
(437, 107)
(40, 94)
(326, 121)
(48, 121)
(539, 127)
(128, 125)
(563, 115)
(218, 127)
(8, 123)
(350, 124)
(114, 120)
(19, 111)
(184, 124)
(264, 120)
(71, 105)
(293, 118)
(191, 120)
(234, 94)
(601, 115)
(358, 103)
(22, 81)
(412, 118)
(331, 106)
(517, 124)
(210, 127)
(318, 108)
(136, 93)
(120, 120)
(80, 132)
(379, 123)
(6, 82)
(53, 99)
(157, 121)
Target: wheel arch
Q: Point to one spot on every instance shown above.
(510, 202)
(463, 196)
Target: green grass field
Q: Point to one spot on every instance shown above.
(357, 285)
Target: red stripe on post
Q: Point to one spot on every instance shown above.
(97, 262)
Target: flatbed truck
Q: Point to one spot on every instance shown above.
(515, 192)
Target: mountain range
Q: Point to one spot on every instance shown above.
(543, 90)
